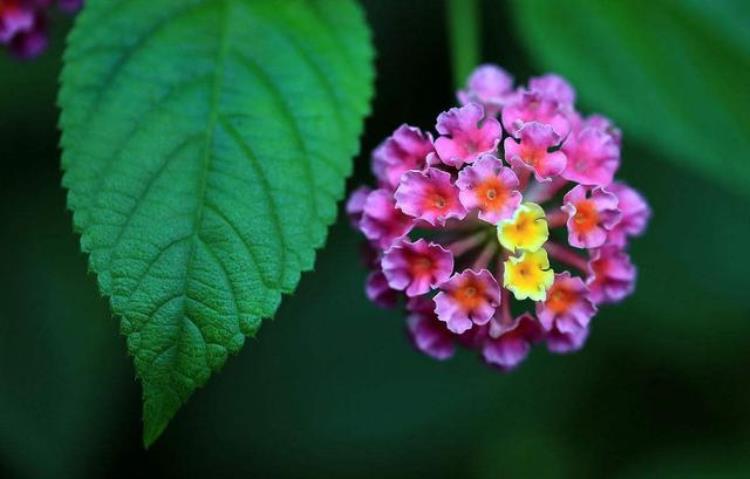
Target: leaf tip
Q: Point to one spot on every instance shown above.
(159, 407)
(152, 430)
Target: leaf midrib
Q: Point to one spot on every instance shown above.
(206, 160)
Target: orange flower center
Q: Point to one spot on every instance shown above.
(439, 202)
(421, 265)
(469, 295)
(560, 299)
(586, 217)
(532, 156)
(491, 194)
(524, 224)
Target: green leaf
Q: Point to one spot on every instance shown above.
(672, 73)
(205, 144)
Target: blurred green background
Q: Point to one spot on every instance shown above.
(331, 387)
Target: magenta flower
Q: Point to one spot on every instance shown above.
(611, 275)
(466, 134)
(489, 187)
(474, 338)
(555, 87)
(379, 292)
(355, 205)
(514, 237)
(427, 333)
(32, 41)
(466, 299)
(381, 221)
(593, 156)
(15, 19)
(603, 123)
(509, 344)
(490, 86)
(563, 343)
(416, 267)
(23, 24)
(635, 214)
(591, 216)
(533, 105)
(405, 150)
(430, 196)
(532, 153)
(568, 307)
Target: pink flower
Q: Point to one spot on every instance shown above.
(534, 105)
(435, 199)
(430, 196)
(416, 267)
(381, 221)
(427, 333)
(23, 24)
(593, 156)
(567, 307)
(488, 85)
(15, 19)
(590, 216)
(355, 205)
(603, 123)
(475, 337)
(611, 275)
(466, 135)
(490, 187)
(635, 214)
(467, 298)
(562, 343)
(403, 151)
(379, 292)
(509, 344)
(31, 43)
(555, 87)
(532, 152)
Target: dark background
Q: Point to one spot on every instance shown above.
(331, 387)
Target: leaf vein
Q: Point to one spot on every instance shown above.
(265, 184)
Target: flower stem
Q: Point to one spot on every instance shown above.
(465, 245)
(485, 256)
(557, 218)
(541, 192)
(564, 255)
(463, 34)
(507, 314)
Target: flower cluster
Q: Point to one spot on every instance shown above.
(513, 200)
(23, 24)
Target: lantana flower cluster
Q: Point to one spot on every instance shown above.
(504, 229)
(23, 24)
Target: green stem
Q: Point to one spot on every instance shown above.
(463, 33)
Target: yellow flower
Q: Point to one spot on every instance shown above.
(526, 229)
(529, 275)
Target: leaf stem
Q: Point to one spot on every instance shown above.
(463, 34)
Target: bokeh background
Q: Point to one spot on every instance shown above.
(331, 388)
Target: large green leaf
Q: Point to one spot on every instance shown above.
(205, 145)
(673, 73)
